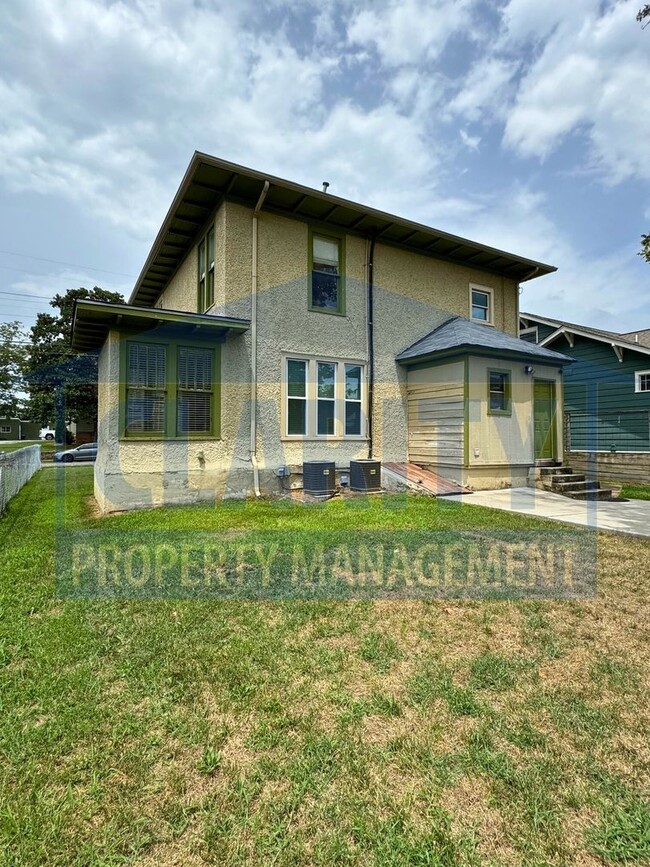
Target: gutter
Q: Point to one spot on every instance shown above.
(253, 430)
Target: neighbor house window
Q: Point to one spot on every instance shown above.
(324, 398)
(642, 380)
(326, 283)
(5, 429)
(481, 304)
(296, 397)
(194, 395)
(146, 388)
(499, 392)
(171, 390)
(206, 271)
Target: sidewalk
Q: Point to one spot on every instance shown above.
(631, 517)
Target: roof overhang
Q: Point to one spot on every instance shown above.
(569, 332)
(92, 320)
(485, 352)
(209, 181)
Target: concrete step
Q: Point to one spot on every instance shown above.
(552, 471)
(575, 486)
(592, 494)
(560, 478)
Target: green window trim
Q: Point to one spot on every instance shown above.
(172, 390)
(339, 237)
(205, 271)
(507, 391)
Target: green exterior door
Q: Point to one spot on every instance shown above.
(544, 420)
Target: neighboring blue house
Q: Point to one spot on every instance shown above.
(606, 392)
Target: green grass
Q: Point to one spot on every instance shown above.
(636, 492)
(319, 731)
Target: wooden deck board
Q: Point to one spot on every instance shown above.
(427, 479)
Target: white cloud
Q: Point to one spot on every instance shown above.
(591, 77)
(408, 31)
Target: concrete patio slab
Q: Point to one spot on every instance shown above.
(631, 517)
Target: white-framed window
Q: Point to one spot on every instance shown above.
(642, 380)
(296, 397)
(481, 304)
(323, 398)
(6, 428)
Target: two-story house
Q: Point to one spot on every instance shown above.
(273, 324)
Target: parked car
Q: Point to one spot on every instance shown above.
(46, 433)
(85, 452)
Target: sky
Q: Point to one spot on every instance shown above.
(522, 125)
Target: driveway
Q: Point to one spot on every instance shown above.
(630, 516)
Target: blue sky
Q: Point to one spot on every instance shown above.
(521, 124)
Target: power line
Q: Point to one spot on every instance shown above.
(59, 262)
(23, 295)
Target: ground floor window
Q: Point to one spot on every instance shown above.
(642, 380)
(5, 429)
(499, 392)
(170, 389)
(324, 398)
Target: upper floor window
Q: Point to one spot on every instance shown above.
(481, 306)
(326, 283)
(642, 380)
(206, 271)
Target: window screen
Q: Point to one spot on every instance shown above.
(326, 275)
(195, 390)
(146, 383)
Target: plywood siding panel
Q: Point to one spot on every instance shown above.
(436, 414)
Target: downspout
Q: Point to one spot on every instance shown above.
(371, 341)
(253, 431)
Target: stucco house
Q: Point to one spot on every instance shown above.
(273, 323)
(606, 395)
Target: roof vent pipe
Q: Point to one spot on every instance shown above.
(325, 186)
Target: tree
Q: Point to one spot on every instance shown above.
(63, 384)
(645, 247)
(12, 364)
(642, 14)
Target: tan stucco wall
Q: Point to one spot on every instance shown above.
(506, 440)
(131, 473)
(413, 294)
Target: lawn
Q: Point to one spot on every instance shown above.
(317, 732)
(636, 492)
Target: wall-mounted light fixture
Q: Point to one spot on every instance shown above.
(529, 370)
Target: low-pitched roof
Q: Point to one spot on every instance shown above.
(208, 181)
(92, 320)
(614, 338)
(458, 334)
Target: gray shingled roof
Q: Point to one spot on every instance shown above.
(460, 333)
